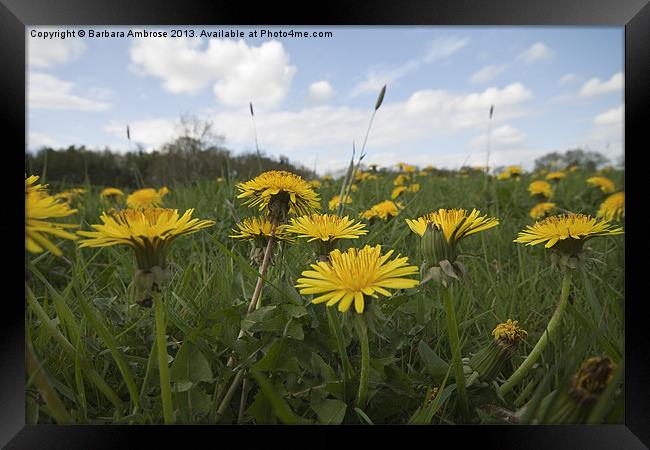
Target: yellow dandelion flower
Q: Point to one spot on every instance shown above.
(541, 209)
(510, 331)
(315, 183)
(144, 198)
(333, 204)
(259, 228)
(604, 184)
(503, 176)
(354, 188)
(350, 276)
(540, 188)
(70, 195)
(111, 192)
(326, 227)
(285, 188)
(31, 186)
(415, 187)
(401, 179)
(398, 191)
(383, 210)
(573, 168)
(566, 232)
(40, 206)
(514, 171)
(613, 208)
(163, 191)
(149, 232)
(365, 176)
(555, 176)
(454, 223)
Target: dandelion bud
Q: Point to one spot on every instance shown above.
(435, 247)
(487, 363)
(592, 379)
(575, 404)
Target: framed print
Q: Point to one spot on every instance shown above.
(383, 217)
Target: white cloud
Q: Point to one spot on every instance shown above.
(151, 133)
(37, 140)
(596, 87)
(611, 117)
(606, 136)
(536, 52)
(568, 78)
(320, 91)
(46, 53)
(328, 131)
(238, 73)
(439, 48)
(505, 136)
(48, 92)
(488, 73)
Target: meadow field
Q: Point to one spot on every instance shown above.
(94, 328)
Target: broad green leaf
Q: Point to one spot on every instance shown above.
(330, 412)
(434, 364)
(190, 365)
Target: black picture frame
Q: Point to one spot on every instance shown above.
(634, 15)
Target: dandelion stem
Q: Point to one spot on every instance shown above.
(255, 300)
(549, 334)
(163, 369)
(459, 374)
(335, 325)
(362, 331)
(252, 306)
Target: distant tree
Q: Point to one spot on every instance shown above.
(197, 152)
(588, 160)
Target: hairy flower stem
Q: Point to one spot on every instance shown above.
(459, 374)
(549, 334)
(254, 303)
(48, 394)
(252, 306)
(163, 369)
(335, 326)
(362, 331)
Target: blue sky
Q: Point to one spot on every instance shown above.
(552, 89)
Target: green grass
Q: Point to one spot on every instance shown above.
(96, 343)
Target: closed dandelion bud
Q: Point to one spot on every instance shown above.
(575, 404)
(435, 247)
(488, 361)
(592, 379)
